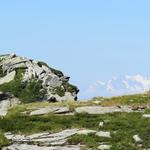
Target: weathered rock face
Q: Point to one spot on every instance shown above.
(50, 84)
(7, 101)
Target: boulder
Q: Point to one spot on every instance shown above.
(7, 101)
(50, 109)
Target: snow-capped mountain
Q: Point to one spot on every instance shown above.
(119, 86)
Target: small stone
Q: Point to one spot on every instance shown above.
(104, 147)
(101, 124)
(97, 102)
(146, 115)
(137, 138)
(103, 134)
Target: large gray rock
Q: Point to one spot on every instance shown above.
(102, 110)
(9, 62)
(7, 101)
(50, 109)
(52, 81)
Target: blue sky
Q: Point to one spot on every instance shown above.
(88, 40)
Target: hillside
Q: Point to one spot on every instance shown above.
(118, 123)
(29, 118)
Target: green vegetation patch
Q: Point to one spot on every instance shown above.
(3, 140)
(2, 74)
(89, 141)
(25, 91)
(55, 71)
(69, 87)
(60, 91)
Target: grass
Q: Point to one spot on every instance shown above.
(2, 74)
(90, 141)
(121, 125)
(3, 140)
(136, 99)
(56, 72)
(70, 104)
(26, 92)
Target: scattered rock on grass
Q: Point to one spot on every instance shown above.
(104, 147)
(101, 124)
(146, 115)
(103, 134)
(137, 138)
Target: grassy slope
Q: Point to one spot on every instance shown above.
(121, 125)
(136, 99)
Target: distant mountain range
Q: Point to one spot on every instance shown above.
(119, 86)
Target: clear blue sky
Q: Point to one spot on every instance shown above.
(88, 40)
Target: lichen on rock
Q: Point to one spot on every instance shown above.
(31, 80)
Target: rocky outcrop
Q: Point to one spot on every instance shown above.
(43, 139)
(36, 147)
(50, 141)
(52, 84)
